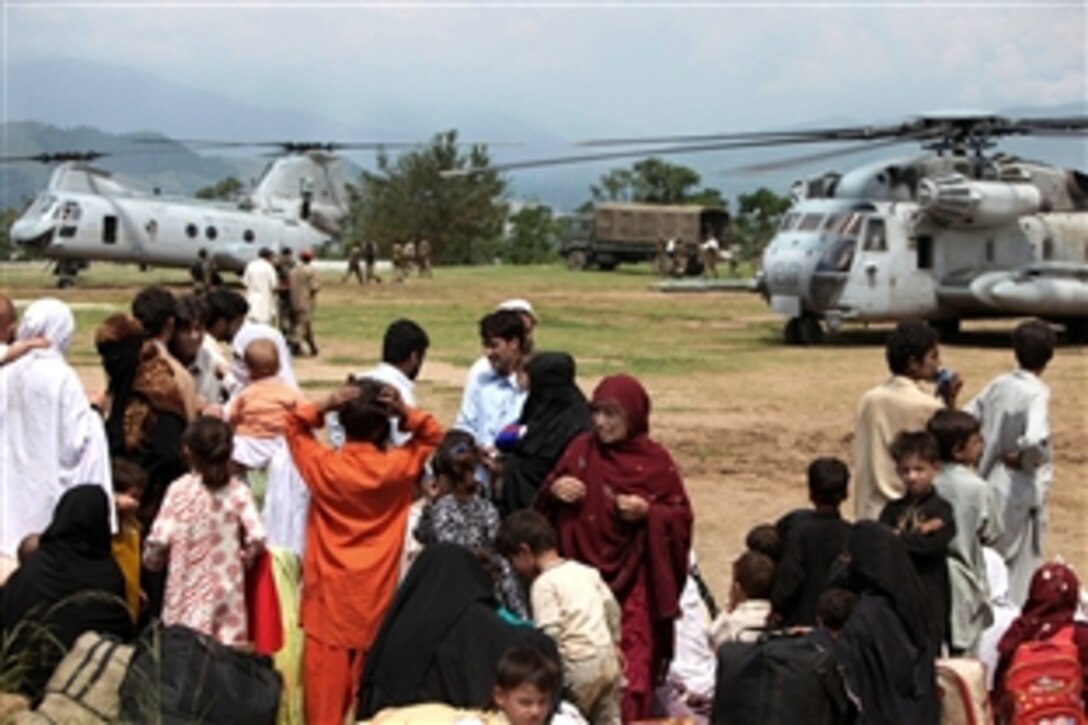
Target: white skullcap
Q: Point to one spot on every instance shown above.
(517, 305)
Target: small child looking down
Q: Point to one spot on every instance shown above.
(572, 605)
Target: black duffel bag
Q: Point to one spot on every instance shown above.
(181, 676)
(781, 679)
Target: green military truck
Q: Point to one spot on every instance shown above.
(615, 232)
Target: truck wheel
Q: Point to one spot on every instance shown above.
(608, 265)
(576, 260)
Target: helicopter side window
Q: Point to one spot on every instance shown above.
(211, 232)
(788, 221)
(810, 222)
(924, 251)
(191, 231)
(875, 241)
(248, 235)
(109, 229)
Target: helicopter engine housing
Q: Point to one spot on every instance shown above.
(956, 201)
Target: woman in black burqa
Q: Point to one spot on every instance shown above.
(885, 645)
(554, 413)
(442, 637)
(69, 586)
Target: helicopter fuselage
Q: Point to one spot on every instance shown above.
(949, 248)
(87, 215)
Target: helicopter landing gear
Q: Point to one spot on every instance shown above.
(946, 329)
(805, 331)
(1076, 331)
(66, 271)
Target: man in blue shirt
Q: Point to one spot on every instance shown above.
(492, 398)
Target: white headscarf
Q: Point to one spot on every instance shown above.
(49, 318)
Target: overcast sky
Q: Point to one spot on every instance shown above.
(585, 69)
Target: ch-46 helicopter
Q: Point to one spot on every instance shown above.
(955, 233)
(86, 214)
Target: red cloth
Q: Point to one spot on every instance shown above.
(654, 550)
(263, 607)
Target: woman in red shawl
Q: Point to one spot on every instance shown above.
(1052, 601)
(618, 504)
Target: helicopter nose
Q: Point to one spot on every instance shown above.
(787, 265)
(34, 233)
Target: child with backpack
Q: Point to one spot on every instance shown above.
(1044, 654)
(208, 531)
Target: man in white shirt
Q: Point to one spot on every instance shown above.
(225, 320)
(261, 281)
(404, 347)
(711, 250)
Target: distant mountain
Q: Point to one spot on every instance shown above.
(89, 100)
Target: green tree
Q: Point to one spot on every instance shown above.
(616, 185)
(757, 218)
(408, 197)
(653, 181)
(228, 188)
(7, 218)
(532, 236)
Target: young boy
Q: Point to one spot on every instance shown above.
(572, 605)
(129, 482)
(525, 685)
(360, 496)
(1016, 457)
(764, 539)
(925, 524)
(749, 600)
(813, 543)
(833, 608)
(977, 525)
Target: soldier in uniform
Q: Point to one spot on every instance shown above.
(284, 264)
(354, 267)
(397, 256)
(370, 258)
(304, 287)
(409, 257)
(423, 255)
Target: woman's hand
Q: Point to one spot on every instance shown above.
(632, 507)
(568, 489)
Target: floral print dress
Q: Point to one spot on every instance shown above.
(207, 538)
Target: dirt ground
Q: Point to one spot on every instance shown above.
(743, 439)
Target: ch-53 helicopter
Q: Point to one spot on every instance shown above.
(955, 233)
(86, 214)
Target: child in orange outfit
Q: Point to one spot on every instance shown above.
(360, 496)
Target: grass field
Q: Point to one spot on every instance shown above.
(741, 413)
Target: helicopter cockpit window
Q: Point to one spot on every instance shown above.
(875, 240)
(70, 212)
(43, 204)
(191, 231)
(788, 221)
(810, 222)
(852, 225)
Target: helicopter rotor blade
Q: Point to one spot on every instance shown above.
(803, 160)
(57, 157)
(668, 151)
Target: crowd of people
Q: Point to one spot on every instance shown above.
(533, 561)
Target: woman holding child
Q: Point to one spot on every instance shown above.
(618, 504)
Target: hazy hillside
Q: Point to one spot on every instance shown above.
(104, 103)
